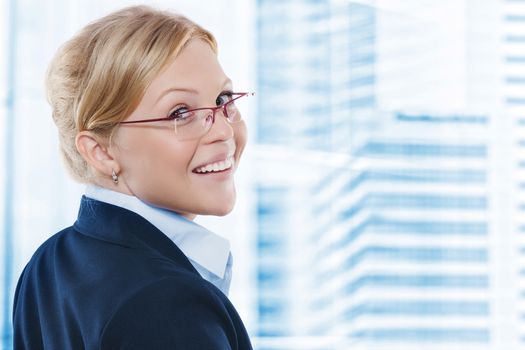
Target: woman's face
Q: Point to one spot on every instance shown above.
(160, 169)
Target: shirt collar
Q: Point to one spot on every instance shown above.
(200, 245)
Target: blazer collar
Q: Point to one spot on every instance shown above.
(120, 226)
(200, 245)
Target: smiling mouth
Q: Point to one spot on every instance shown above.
(216, 167)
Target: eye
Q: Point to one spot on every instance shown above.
(178, 113)
(224, 98)
(181, 115)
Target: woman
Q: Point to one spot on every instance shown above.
(147, 118)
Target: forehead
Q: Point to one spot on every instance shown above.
(196, 67)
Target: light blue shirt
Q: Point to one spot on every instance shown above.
(208, 252)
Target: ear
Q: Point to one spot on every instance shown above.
(95, 151)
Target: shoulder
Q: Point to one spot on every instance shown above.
(181, 311)
(50, 249)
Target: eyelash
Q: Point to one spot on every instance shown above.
(173, 113)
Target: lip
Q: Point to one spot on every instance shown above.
(218, 158)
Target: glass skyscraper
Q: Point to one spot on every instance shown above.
(513, 84)
(402, 249)
(395, 206)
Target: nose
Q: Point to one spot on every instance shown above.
(221, 128)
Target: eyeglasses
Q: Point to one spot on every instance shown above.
(194, 123)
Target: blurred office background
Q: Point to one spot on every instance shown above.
(381, 198)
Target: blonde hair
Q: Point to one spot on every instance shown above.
(99, 76)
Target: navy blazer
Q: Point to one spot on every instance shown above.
(114, 281)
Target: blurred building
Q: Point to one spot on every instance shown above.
(391, 188)
(402, 245)
(513, 81)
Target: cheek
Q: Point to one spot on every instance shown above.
(155, 155)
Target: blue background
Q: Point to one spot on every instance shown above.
(381, 195)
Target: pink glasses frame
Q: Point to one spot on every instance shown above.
(236, 96)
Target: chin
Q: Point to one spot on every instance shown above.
(222, 208)
(222, 212)
(215, 211)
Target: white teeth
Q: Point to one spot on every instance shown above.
(219, 166)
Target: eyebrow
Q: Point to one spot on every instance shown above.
(165, 92)
(187, 90)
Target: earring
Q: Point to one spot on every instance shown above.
(114, 177)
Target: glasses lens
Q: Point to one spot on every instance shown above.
(232, 113)
(196, 123)
(194, 126)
